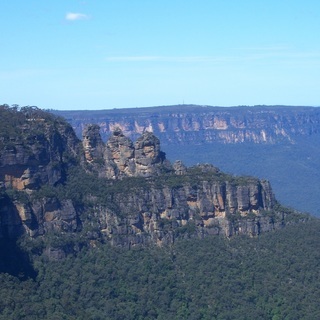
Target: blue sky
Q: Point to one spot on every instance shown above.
(100, 54)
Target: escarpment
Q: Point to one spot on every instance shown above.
(199, 205)
(35, 149)
(251, 140)
(123, 192)
(192, 124)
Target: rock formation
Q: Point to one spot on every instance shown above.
(162, 214)
(49, 184)
(92, 143)
(179, 168)
(122, 158)
(120, 153)
(148, 157)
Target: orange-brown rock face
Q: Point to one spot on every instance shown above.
(120, 150)
(191, 124)
(207, 205)
(122, 158)
(34, 152)
(148, 156)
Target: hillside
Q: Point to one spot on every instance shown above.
(274, 276)
(241, 140)
(114, 230)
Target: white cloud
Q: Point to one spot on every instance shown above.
(73, 16)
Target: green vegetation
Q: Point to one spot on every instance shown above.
(198, 174)
(275, 276)
(25, 123)
(16, 195)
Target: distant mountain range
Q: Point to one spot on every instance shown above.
(279, 143)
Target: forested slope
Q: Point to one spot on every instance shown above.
(274, 276)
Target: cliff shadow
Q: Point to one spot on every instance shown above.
(15, 261)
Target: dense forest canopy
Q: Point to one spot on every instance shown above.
(274, 276)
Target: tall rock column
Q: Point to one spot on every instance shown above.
(120, 150)
(92, 143)
(148, 156)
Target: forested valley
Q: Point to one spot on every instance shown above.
(273, 276)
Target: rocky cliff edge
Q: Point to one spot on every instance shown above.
(52, 185)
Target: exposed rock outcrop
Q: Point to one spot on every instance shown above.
(227, 137)
(37, 152)
(148, 156)
(196, 209)
(122, 158)
(179, 168)
(120, 153)
(92, 143)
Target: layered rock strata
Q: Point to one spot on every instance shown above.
(145, 200)
(162, 214)
(192, 124)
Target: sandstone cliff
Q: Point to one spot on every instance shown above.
(242, 140)
(202, 202)
(119, 157)
(53, 185)
(191, 124)
(36, 150)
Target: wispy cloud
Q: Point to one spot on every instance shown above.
(271, 48)
(281, 51)
(249, 55)
(134, 58)
(73, 16)
(163, 59)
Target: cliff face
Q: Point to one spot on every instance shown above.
(187, 124)
(242, 140)
(36, 150)
(119, 191)
(191, 209)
